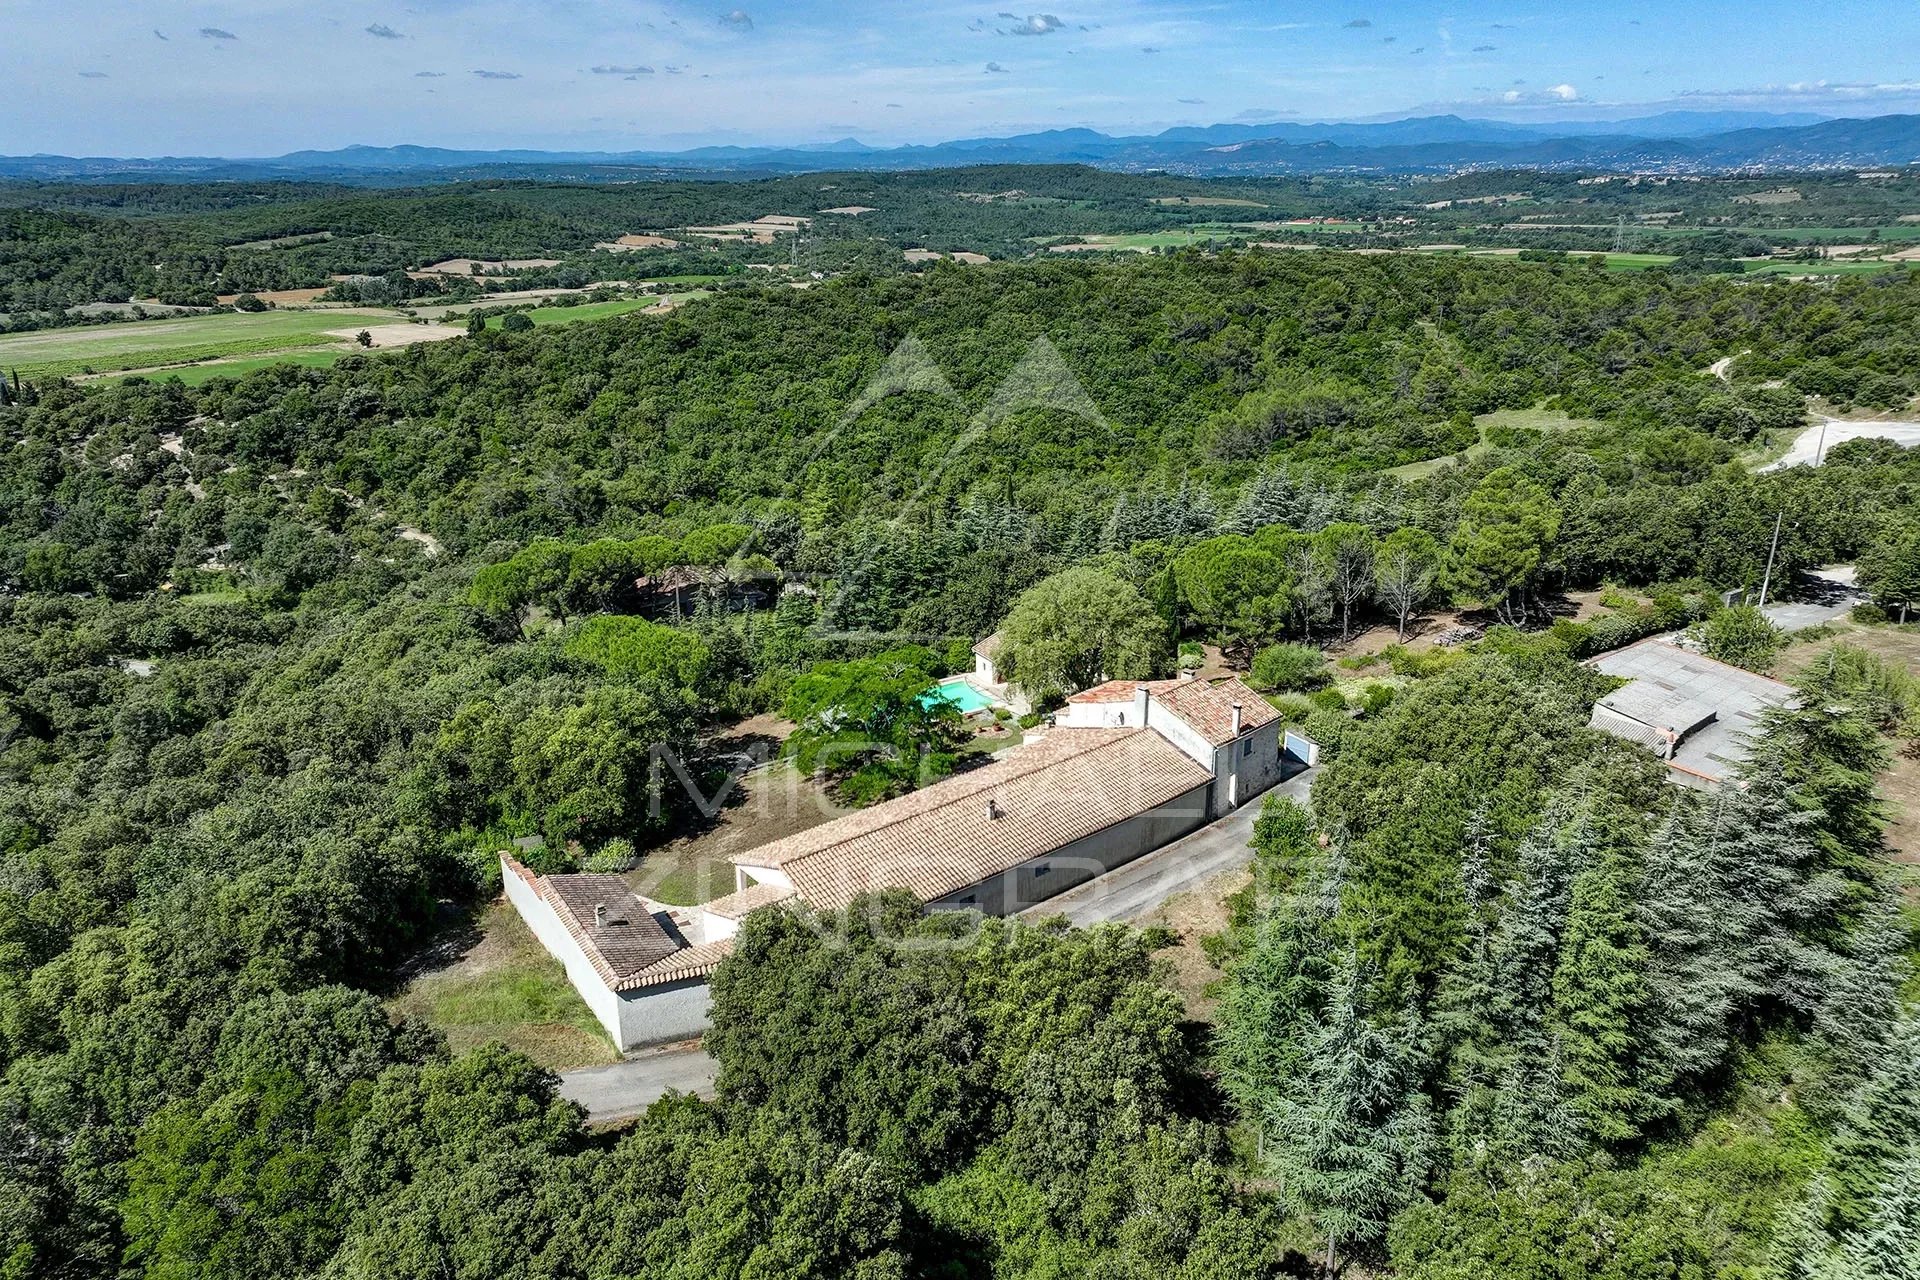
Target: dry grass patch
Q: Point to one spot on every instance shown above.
(1193, 916)
(1900, 784)
(502, 987)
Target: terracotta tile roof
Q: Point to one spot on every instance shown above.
(1069, 784)
(688, 962)
(988, 647)
(629, 941)
(1208, 707)
(739, 904)
(1121, 690)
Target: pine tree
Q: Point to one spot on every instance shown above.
(1827, 748)
(1600, 990)
(1860, 1000)
(1278, 986)
(1888, 1246)
(1270, 498)
(1352, 1132)
(1692, 992)
(1881, 1128)
(1465, 998)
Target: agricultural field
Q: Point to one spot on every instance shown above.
(543, 316)
(144, 344)
(194, 375)
(198, 349)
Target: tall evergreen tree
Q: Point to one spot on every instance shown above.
(1352, 1131)
(1279, 986)
(1465, 997)
(1600, 988)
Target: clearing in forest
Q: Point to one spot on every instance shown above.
(1542, 420)
(1224, 201)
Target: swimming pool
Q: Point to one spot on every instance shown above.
(960, 693)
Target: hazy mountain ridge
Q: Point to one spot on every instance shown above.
(1675, 141)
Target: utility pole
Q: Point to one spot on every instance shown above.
(1820, 450)
(1767, 579)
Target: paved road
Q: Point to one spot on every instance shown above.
(1809, 447)
(1132, 891)
(1825, 594)
(628, 1087)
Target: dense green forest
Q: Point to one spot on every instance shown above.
(284, 659)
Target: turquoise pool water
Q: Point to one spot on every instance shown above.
(961, 694)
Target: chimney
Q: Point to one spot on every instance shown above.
(599, 915)
(1236, 719)
(993, 810)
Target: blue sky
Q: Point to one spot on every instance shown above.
(258, 77)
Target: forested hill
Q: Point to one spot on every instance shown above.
(285, 659)
(1199, 369)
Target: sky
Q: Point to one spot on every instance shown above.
(262, 77)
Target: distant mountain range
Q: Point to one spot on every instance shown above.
(1672, 142)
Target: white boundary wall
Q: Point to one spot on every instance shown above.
(658, 1014)
(546, 926)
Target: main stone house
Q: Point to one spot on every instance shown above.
(1127, 767)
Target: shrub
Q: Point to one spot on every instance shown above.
(615, 855)
(1191, 654)
(1375, 697)
(1868, 614)
(1615, 598)
(1743, 636)
(1328, 699)
(1293, 707)
(516, 322)
(1029, 720)
(1328, 727)
(1289, 667)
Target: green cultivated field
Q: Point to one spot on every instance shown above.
(597, 310)
(143, 344)
(1823, 268)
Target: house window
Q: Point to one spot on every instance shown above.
(1246, 748)
(1042, 869)
(968, 901)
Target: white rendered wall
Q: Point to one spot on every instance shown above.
(663, 1014)
(553, 935)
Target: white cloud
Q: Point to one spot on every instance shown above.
(1034, 24)
(1558, 93)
